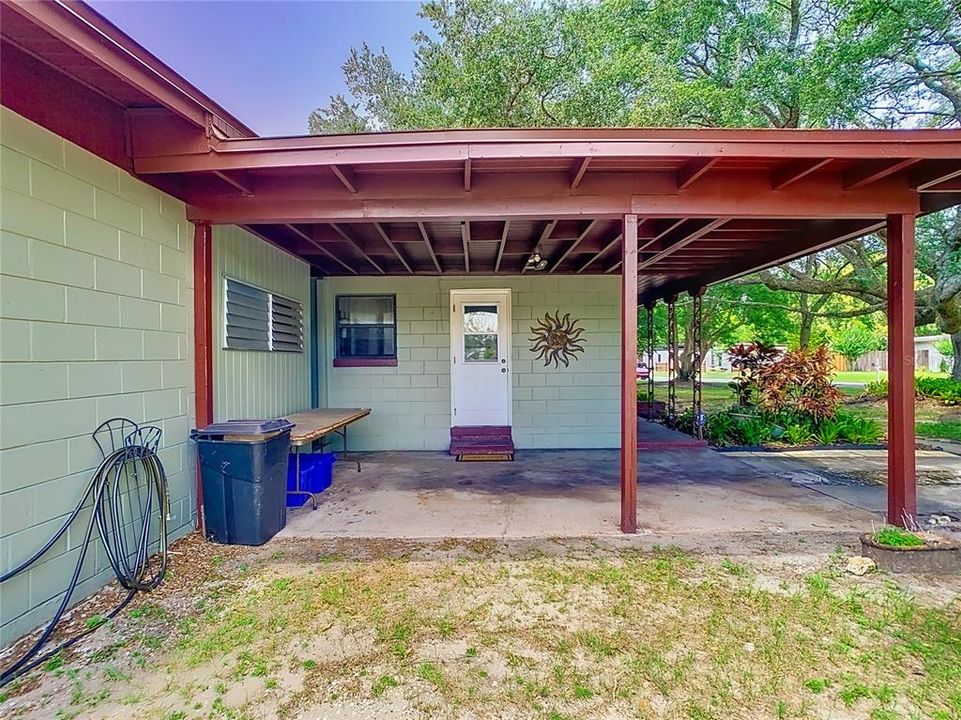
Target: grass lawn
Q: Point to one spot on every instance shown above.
(933, 420)
(553, 632)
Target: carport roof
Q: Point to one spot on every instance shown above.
(712, 204)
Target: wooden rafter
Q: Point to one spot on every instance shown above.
(357, 246)
(501, 244)
(579, 172)
(305, 236)
(346, 177)
(795, 170)
(693, 169)
(239, 180)
(430, 247)
(465, 243)
(872, 171)
(390, 243)
(604, 251)
(573, 246)
(673, 245)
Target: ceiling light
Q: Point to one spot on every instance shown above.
(534, 262)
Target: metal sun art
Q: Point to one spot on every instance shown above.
(556, 339)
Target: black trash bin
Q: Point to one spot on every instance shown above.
(243, 471)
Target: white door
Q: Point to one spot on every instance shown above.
(480, 326)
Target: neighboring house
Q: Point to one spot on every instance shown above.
(161, 262)
(926, 356)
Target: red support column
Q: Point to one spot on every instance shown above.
(902, 487)
(203, 347)
(629, 376)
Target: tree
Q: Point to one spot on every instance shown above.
(733, 63)
(855, 340)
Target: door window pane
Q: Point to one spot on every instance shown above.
(480, 318)
(480, 348)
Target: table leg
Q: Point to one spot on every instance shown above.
(297, 489)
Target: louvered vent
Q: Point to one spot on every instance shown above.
(246, 317)
(286, 325)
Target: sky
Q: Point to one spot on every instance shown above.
(268, 62)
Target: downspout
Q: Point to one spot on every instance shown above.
(203, 342)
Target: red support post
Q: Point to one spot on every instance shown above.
(203, 340)
(902, 486)
(629, 376)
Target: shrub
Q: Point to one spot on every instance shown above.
(859, 430)
(748, 360)
(753, 431)
(830, 431)
(945, 390)
(799, 384)
(798, 433)
(721, 428)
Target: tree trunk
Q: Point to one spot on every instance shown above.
(956, 348)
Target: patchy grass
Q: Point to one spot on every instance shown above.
(891, 536)
(591, 635)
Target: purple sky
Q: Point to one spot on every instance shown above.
(269, 63)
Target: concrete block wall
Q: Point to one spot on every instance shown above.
(96, 316)
(253, 383)
(574, 407)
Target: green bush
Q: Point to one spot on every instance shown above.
(945, 390)
(859, 430)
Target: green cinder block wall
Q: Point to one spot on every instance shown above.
(95, 321)
(252, 383)
(573, 407)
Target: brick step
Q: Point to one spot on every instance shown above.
(481, 440)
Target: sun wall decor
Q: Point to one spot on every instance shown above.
(557, 339)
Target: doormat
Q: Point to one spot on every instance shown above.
(486, 457)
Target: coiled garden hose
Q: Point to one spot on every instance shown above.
(130, 509)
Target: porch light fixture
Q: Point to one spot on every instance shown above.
(534, 262)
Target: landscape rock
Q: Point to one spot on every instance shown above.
(858, 565)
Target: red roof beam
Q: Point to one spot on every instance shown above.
(345, 176)
(578, 175)
(425, 147)
(872, 171)
(692, 170)
(676, 243)
(790, 172)
(237, 180)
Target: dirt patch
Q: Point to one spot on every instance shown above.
(560, 628)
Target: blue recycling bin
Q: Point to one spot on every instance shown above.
(316, 475)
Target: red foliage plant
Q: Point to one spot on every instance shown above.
(749, 359)
(800, 383)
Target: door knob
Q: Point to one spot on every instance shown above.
(503, 370)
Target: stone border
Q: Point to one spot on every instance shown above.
(941, 559)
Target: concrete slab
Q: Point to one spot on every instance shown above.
(562, 493)
(859, 477)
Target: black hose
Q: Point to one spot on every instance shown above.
(130, 467)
